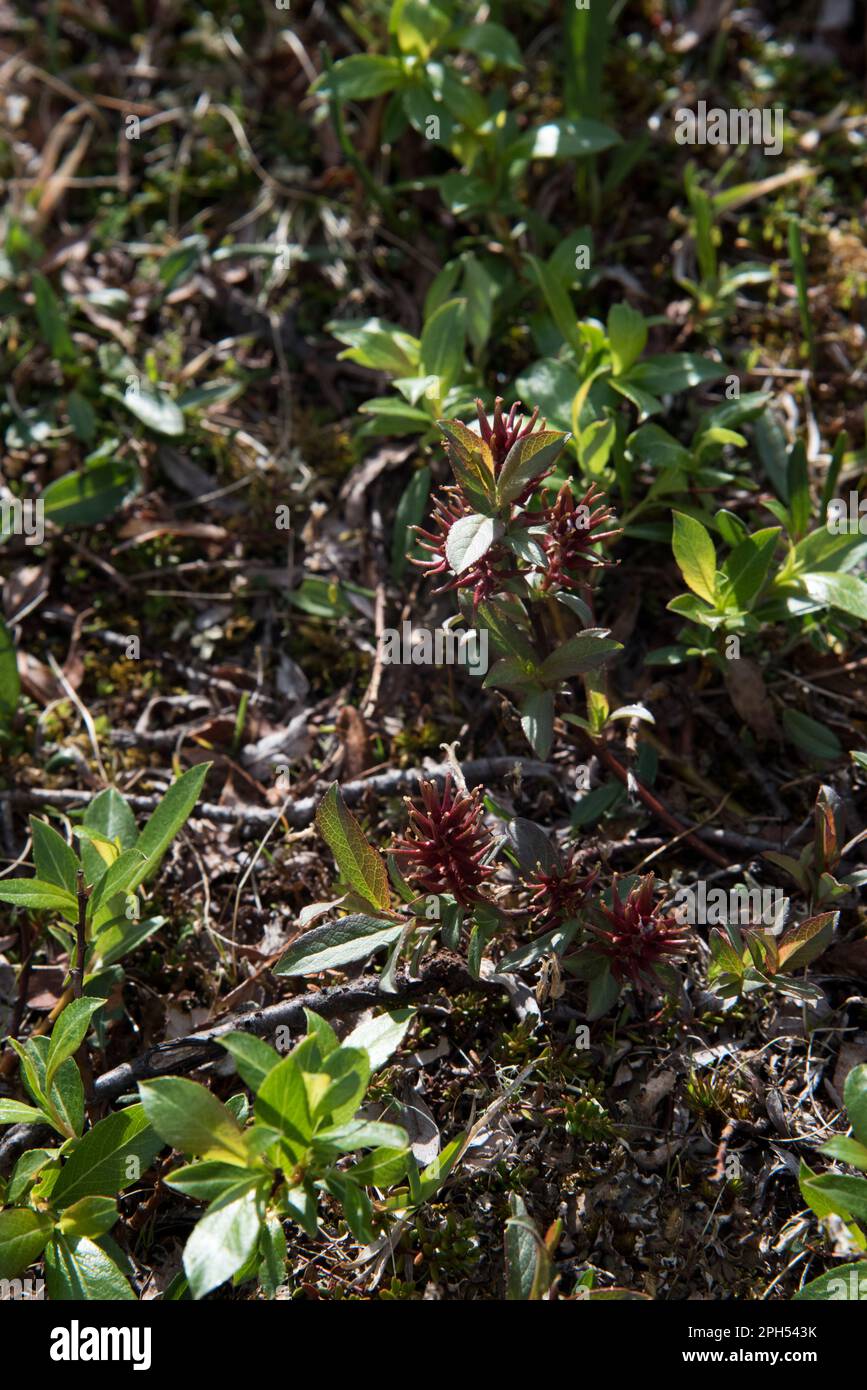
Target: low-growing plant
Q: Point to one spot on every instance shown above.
(254, 1171)
(513, 555)
(755, 586)
(93, 894)
(745, 959)
(836, 1195)
(294, 1150)
(59, 1204)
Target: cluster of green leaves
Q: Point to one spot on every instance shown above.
(743, 960)
(430, 374)
(113, 861)
(717, 285)
(757, 585)
(60, 1204)
(256, 1171)
(815, 869)
(436, 75)
(98, 391)
(836, 1194)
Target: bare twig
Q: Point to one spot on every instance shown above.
(253, 819)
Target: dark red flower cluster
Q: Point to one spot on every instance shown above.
(559, 894)
(482, 577)
(638, 935)
(571, 529)
(505, 430)
(446, 843)
(491, 572)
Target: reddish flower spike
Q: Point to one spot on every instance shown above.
(446, 843)
(639, 934)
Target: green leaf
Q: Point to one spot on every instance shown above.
(89, 1216)
(562, 311)
(120, 936)
(846, 1151)
(583, 653)
(89, 495)
(537, 721)
(847, 1196)
(479, 288)
(363, 1134)
(52, 324)
(117, 879)
(23, 1236)
(82, 417)
(69, 1033)
(378, 344)
(382, 1167)
(670, 372)
(337, 944)
(491, 41)
(442, 343)
(321, 1038)
(845, 1282)
(564, 139)
(272, 1247)
(15, 1112)
(190, 1119)
(253, 1057)
(812, 737)
(110, 816)
(357, 1211)
(532, 846)
(804, 943)
(855, 1096)
(798, 483)
(419, 26)
(63, 1101)
(360, 77)
(282, 1104)
(747, 567)
(359, 863)
(470, 538)
(471, 461)
(529, 458)
(108, 1158)
(528, 1264)
(381, 1036)
(167, 820)
(10, 684)
(595, 445)
(208, 1181)
(695, 555)
(77, 1269)
(54, 860)
(844, 591)
(153, 408)
(349, 1069)
(512, 673)
(35, 893)
(627, 335)
(506, 619)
